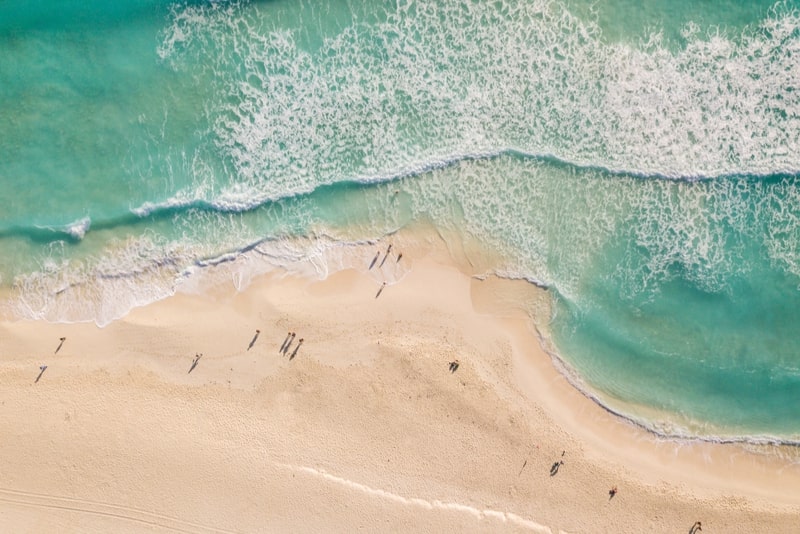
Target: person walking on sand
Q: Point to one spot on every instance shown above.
(612, 492)
(253, 341)
(294, 353)
(555, 467)
(285, 341)
(194, 363)
(374, 260)
(388, 250)
(380, 290)
(58, 348)
(289, 344)
(696, 527)
(42, 369)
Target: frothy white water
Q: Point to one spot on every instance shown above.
(138, 271)
(128, 274)
(434, 80)
(76, 229)
(79, 228)
(421, 86)
(550, 224)
(425, 84)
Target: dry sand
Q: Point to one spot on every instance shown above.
(365, 428)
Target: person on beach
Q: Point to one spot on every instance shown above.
(380, 290)
(194, 363)
(294, 353)
(41, 372)
(612, 492)
(696, 527)
(555, 467)
(285, 341)
(374, 260)
(253, 341)
(289, 344)
(399, 256)
(454, 366)
(58, 348)
(388, 250)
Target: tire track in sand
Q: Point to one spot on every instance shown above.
(116, 511)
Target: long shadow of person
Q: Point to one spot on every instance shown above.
(58, 348)
(454, 366)
(388, 250)
(41, 372)
(294, 353)
(285, 341)
(194, 363)
(555, 467)
(378, 294)
(253, 342)
(289, 344)
(375, 259)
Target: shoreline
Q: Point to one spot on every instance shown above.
(642, 423)
(372, 387)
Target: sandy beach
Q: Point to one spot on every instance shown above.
(365, 426)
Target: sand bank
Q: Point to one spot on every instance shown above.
(364, 428)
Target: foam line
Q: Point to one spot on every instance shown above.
(253, 200)
(476, 513)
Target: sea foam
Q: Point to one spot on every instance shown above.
(430, 82)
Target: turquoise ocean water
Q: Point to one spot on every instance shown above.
(639, 159)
